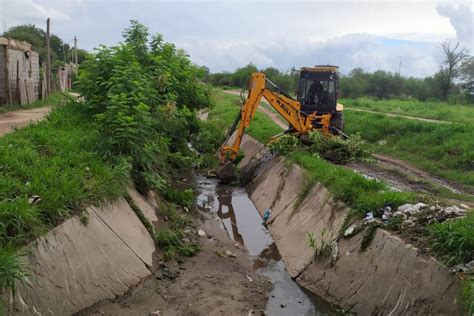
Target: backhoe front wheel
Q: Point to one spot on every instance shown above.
(337, 121)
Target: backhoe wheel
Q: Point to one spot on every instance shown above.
(337, 121)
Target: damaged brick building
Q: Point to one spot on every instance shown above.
(19, 72)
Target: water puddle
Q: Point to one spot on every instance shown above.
(243, 224)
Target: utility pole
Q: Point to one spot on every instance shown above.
(48, 58)
(400, 65)
(75, 53)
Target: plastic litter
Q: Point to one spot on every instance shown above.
(369, 217)
(266, 216)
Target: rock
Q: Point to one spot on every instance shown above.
(467, 268)
(386, 215)
(464, 206)
(186, 209)
(230, 254)
(166, 273)
(404, 207)
(408, 223)
(155, 313)
(454, 211)
(350, 230)
(249, 278)
(420, 206)
(201, 233)
(283, 305)
(399, 213)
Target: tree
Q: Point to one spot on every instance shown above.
(466, 72)
(449, 70)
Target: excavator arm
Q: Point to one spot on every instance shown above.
(300, 123)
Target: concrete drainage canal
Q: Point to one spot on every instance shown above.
(232, 207)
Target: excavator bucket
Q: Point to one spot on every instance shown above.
(226, 172)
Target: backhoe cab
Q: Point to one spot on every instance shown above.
(318, 91)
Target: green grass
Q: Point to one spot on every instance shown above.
(56, 161)
(454, 240)
(53, 99)
(427, 109)
(361, 194)
(226, 109)
(440, 149)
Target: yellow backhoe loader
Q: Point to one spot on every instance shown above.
(315, 108)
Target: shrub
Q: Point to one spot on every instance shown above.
(284, 144)
(336, 149)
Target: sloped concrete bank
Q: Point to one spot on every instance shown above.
(390, 277)
(76, 265)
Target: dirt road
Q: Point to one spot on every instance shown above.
(15, 119)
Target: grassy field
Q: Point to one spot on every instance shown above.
(427, 109)
(227, 107)
(53, 99)
(446, 150)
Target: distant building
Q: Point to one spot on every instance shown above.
(19, 72)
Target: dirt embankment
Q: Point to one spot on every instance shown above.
(389, 277)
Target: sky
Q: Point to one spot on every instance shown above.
(224, 35)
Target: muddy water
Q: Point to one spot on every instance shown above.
(243, 223)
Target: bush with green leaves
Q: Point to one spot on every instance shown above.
(284, 144)
(336, 149)
(142, 94)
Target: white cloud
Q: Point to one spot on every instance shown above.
(228, 34)
(349, 51)
(29, 11)
(462, 19)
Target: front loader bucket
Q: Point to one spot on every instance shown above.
(226, 172)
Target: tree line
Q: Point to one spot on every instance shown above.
(453, 82)
(61, 51)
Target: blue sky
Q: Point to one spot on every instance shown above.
(224, 35)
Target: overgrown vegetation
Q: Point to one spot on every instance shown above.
(134, 126)
(48, 171)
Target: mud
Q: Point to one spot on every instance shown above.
(219, 280)
(236, 213)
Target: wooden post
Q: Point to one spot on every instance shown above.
(48, 59)
(75, 54)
